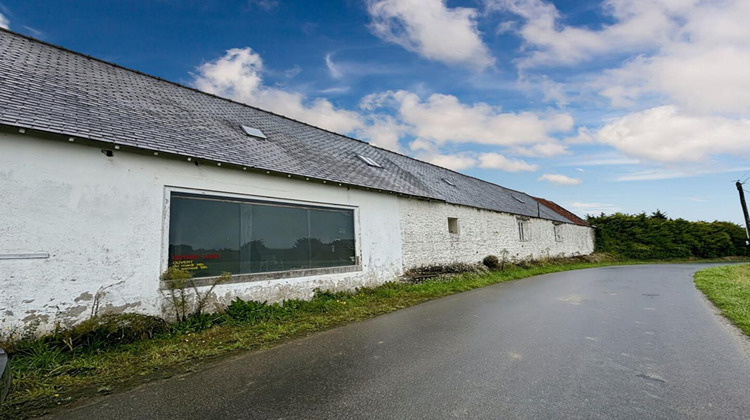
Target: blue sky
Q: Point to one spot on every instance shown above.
(601, 106)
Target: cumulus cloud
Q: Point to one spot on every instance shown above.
(699, 78)
(239, 75)
(443, 118)
(685, 59)
(498, 161)
(541, 150)
(384, 131)
(690, 53)
(4, 22)
(432, 30)
(638, 24)
(667, 135)
(559, 179)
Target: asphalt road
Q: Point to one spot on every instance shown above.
(618, 342)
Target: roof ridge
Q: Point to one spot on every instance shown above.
(180, 85)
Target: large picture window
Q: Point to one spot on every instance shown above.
(209, 235)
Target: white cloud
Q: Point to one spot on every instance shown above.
(699, 78)
(432, 30)
(332, 69)
(4, 22)
(384, 131)
(559, 179)
(638, 24)
(689, 53)
(665, 134)
(541, 150)
(238, 75)
(444, 119)
(498, 161)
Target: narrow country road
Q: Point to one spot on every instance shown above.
(618, 342)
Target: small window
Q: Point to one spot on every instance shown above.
(453, 225)
(369, 161)
(558, 233)
(523, 230)
(447, 181)
(253, 132)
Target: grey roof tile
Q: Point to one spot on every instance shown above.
(52, 89)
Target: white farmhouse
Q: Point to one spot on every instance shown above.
(109, 176)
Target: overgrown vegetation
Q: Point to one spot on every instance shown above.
(183, 296)
(657, 237)
(424, 272)
(114, 352)
(728, 287)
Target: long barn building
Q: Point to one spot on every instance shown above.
(110, 176)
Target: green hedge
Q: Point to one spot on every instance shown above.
(657, 237)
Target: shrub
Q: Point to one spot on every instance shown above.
(491, 262)
(184, 302)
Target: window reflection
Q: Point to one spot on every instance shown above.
(208, 236)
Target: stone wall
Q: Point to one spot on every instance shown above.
(426, 239)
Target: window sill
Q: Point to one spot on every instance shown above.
(275, 275)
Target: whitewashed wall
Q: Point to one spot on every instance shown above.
(426, 240)
(102, 220)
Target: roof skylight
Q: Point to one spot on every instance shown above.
(253, 132)
(447, 181)
(518, 199)
(369, 161)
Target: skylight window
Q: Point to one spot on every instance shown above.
(369, 161)
(253, 132)
(449, 182)
(519, 200)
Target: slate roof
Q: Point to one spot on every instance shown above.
(51, 89)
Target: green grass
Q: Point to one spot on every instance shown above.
(46, 376)
(728, 287)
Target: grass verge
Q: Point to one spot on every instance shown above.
(728, 287)
(46, 377)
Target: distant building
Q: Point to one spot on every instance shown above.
(110, 176)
